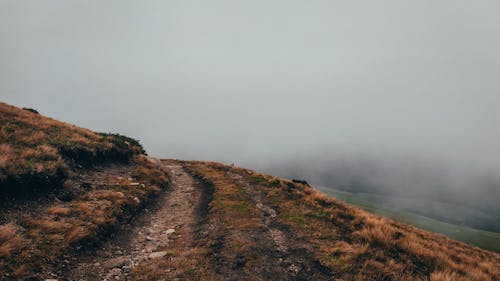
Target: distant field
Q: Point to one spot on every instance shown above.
(373, 203)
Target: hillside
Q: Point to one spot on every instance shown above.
(63, 188)
(79, 205)
(379, 204)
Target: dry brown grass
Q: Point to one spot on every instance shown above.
(39, 152)
(355, 244)
(192, 266)
(65, 225)
(232, 206)
(33, 146)
(375, 248)
(229, 212)
(10, 240)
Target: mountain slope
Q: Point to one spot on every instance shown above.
(78, 205)
(343, 242)
(63, 188)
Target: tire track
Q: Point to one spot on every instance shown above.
(164, 228)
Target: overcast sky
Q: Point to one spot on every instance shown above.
(243, 81)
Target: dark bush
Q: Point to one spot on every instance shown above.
(31, 109)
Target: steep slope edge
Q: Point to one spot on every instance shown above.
(68, 197)
(64, 189)
(267, 227)
(37, 152)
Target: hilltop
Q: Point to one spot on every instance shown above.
(63, 188)
(80, 205)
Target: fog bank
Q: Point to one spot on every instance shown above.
(451, 192)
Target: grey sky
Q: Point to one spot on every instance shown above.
(255, 81)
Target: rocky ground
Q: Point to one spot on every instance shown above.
(217, 222)
(292, 256)
(164, 241)
(166, 224)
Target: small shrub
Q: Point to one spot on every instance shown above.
(31, 110)
(10, 240)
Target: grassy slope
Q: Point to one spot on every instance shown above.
(484, 239)
(35, 150)
(354, 244)
(39, 153)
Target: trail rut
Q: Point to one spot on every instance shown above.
(290, 253)
(169, 223)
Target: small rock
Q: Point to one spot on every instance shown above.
(134, 183)
(126, 268)
(118, 252)
(116, 271)
(51, 279)
(169, 231)
(97, 264)
(149, 238)
(293, 268)
(155, 255)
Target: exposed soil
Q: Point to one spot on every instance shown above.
(287, 253)
(163, 237)
(169, 222)
(214, 222)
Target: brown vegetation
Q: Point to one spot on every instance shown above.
(63, 227)
(186, 252)
(242, 240)
(10, 240)
(83, 204)
(352, 243)
(250, 226)
(37, 151)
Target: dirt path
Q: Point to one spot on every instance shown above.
(289, 255)
(170, 222)
(164, 241)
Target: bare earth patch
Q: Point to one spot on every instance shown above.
(162, 234)
(218, 222)
(292, 257)
(244, 237)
